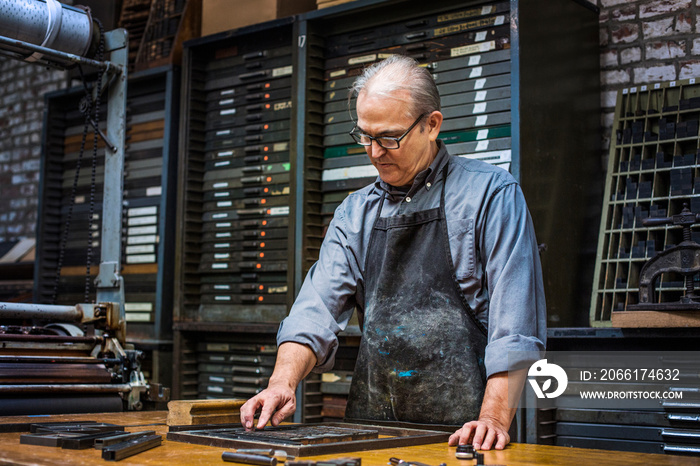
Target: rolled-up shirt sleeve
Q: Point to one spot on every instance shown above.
(327, 297)
(517, 311)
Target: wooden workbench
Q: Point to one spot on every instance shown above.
(175, 453)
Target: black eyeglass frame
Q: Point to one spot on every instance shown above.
(356, 136)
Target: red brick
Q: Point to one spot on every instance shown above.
(661, 7)
(625, 33)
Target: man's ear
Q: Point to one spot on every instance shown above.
(434, 124)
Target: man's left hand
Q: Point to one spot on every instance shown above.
(483, 434)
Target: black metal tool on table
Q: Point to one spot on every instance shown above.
(249, 458)
(128, 448)
(683, 258)
(400, 462)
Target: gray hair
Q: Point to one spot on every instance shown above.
(399, 72)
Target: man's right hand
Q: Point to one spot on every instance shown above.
(277, 402)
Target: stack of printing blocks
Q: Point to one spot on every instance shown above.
(467, 52)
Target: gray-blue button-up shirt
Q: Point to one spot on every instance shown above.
(493, 247)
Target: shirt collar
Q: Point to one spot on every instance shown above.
(424, 178)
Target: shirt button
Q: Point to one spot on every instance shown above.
(408, 199)
(428, 184)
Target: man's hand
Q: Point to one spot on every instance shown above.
(483, 434)
(491, 429)
(277, 402)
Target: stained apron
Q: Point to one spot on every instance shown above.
(421, 357)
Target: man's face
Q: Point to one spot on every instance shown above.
(380, 115)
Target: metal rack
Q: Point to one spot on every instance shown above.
(652, 173)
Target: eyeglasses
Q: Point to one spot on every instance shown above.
(384, 141)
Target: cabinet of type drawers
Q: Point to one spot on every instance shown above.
(238, 203)
(519, 89)
(148, 216)
(668, 426)
(652, 173)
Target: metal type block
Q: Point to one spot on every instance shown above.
(245, 203)
(256, 57)
(388, 38)
(243, 299)
(131, 447)
(229, 81)
(87, 441)
(233, 369)
(276, 190)
(248, 89)
(47, 439)
(425, 23)
(245, 182)
(347, 185)
(101, 443)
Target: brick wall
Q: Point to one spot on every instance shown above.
(645, 42)
(22, 89)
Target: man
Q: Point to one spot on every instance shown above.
(439, 257)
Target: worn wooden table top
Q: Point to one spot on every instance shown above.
(176, 453)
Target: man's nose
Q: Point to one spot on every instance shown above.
(375, 150)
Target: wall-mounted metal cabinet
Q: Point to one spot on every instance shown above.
(148, 217)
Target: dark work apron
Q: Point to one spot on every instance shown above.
(421, 358)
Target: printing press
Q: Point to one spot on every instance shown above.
(71, 359)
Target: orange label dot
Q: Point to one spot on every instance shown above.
(260, 298)
(262, 233)
(266, 127)
(266, 190)
(266, 158)
(266, 148)
(263, 201)
(261, 287)
(269, 178)
(267, 85)
(262, 245)
(262, 254)
(267, 96)
(267, 106)
(258, 266)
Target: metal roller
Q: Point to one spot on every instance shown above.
(47, 23)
